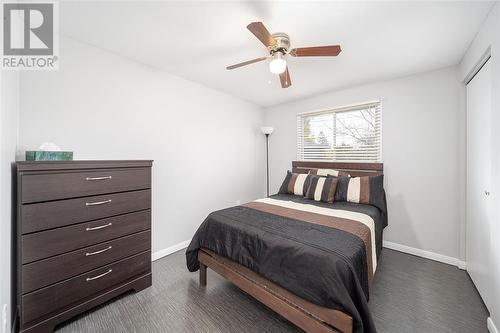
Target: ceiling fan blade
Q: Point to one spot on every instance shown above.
(241, 64)
(260, 31)
(285, 79)
(316, 51)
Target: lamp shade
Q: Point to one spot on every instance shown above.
(277, 65)
(267, 130)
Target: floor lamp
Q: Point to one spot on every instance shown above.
(267, 131)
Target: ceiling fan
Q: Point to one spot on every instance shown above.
(278, 46)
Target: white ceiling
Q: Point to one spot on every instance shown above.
(196, 40)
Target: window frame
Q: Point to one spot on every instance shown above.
(334, 111)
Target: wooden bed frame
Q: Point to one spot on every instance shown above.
(306, 315)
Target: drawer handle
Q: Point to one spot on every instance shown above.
(97, 203)
(100, 227)
(99, 276)
(97, 252)
(98, 178)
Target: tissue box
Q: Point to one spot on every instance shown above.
(42, 155)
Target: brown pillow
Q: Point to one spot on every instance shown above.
(365, 190)
(322, 189)
(295, 183)
(328, 172)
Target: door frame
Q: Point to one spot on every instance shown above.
(463, 156)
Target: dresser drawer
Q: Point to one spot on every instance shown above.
(53, 214)
(44, 272)
(48, 243)
(59, 295)
(55, 186)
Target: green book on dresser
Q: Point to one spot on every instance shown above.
(41, 155)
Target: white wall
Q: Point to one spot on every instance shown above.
(489, 37)
(9, 113)
(420, 126)
(206, 146)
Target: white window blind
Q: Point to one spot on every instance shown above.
(350, 133)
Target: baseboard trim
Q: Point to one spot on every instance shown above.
(426, 254)
(169, 250)
(390, 245)
(491, 326)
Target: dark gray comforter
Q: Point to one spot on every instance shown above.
(326, 266)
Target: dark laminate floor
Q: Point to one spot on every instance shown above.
(409, 294)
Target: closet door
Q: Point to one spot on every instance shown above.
(479, 155)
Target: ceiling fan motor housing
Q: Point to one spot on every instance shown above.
(282, 43)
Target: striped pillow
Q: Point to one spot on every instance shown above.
(365, 190)
(295, 183)
(322, 189)
(358, 190)
(328, 172)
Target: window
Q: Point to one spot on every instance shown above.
(350, 133)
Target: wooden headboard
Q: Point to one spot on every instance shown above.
(356, 169)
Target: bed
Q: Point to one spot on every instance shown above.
(311, 262)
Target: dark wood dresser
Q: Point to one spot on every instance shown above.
(83, 237)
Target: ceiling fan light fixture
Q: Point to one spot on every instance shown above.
(277, 65)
